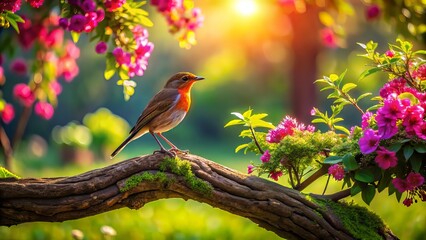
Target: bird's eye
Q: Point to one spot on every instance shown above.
(185, 78)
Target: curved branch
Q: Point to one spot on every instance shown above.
(284, 211)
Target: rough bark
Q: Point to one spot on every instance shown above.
(284, 211)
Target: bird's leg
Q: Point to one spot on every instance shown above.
(162, 149)
(174, 148)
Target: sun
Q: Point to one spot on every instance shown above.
(245, 7)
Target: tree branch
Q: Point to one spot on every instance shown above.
(284, 211)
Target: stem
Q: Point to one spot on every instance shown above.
(22, 124)
(255, 140)
(326, 184)
(7, 149)
(335, 196)
(319, 173)
(291, 177)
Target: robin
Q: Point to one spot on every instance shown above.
(164, 111)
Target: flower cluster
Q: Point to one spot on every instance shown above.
(337, 171)
(412, 185)
(136, 61)
(181, 17)
(88, 17)
(286, 128)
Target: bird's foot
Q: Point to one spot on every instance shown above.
(177, 150)
(164, 151)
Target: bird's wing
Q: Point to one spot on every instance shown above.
(161, 102)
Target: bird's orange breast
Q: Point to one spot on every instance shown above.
(184, 101)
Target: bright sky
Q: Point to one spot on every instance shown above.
(245, 7)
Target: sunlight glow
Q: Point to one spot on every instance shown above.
(245, 7)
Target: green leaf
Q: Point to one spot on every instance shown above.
(348, 86)
(247, 114)
(4, 173)
(420, 148)
(355, 189)
(420, 52)
(238, 115)
(416, 162)
(363, 96)
(123, 72)
(343, 129)
(408, 151)
(110, 68)
(368, 194)
(319, 120)
(384, 181)
(234, 122)
(368, 72)
(75, 36)
(349, 162)
(246, 133)
(237, 149)
(333, 160)
(395, 147)
(364, 175)
(260, 123)
(409, 96)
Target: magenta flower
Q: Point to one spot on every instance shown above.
(112, 5)
(166, 5)
(64, 23)
(414, 180)
(265, 157)
(399, 184)
(8, 113)
(385, 158)
(250, 169)
(369, 142)
(413, 119)
(387, 126)
(35, 3)
(23, 94)
(121, 57)
(44, 110)
(55, 87)
(100, 13)
(101, 47)
(77, 23)
(275, 175)
(420, 130)
(366, 117)
(372, 12)
(19, 66)
(10, 5)
(420, 73)
(88, 6)
(337, 171)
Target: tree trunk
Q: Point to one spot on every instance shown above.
(284, 211)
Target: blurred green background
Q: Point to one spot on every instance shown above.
(246, 60)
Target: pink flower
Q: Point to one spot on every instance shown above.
(420, 130)
(166, 5)
(372, 12)
(275, 175)
(390, 53)
(8, 113)
(56, 87)
(369, 142)
(121, 57)
(328, 38)
(414, 180)
(265, 157)
(420, 73)
(77, 23)
(385, 158)
(101, 47)
(35, 3)
(23, 94)
(54, 38)
(44, 110)
(2, 77)
(64, 23)
(100, 13)
(413, 119)
(112, 5)
(399, 184)
(10, 5)
(250, 169)
(337, 171)
(18, 66)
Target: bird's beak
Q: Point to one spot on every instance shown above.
(198, 78)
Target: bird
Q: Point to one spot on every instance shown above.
(164, 111)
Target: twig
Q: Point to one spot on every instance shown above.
(22, 124)
(7, 148)
(255, 140)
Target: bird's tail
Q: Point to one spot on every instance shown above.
(122, 145)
